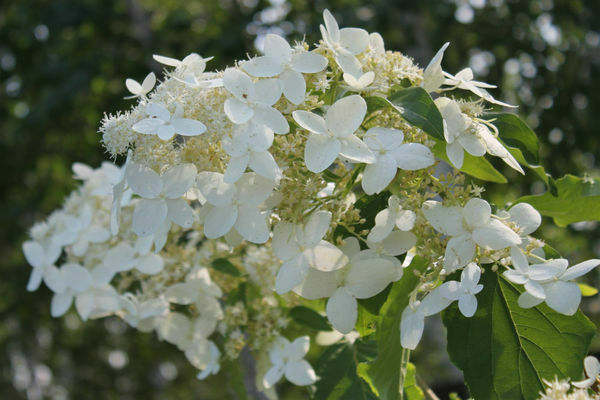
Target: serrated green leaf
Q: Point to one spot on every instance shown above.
(505, 351)
(308, 317)
(417, 107)
(225, 266)
(383, 375)
(477, 167)
(515, 133)
(577, 199)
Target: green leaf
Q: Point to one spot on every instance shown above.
(505, 351)
(225, 266)
(336, 369)
(310, 318)
(577, 199)
(412, 391)
(383, 375)
(365, 321)
(587, 290)
(515, 133)
(477, 167)
(417, 107)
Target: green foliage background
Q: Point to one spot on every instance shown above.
(63, 64)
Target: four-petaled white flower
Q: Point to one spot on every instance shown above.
(42, 260)
(561, 294)
(591, 367)
(465, 290)
(469, 226)
(334, 135)
(140, 90)
(386, 219)
(235, 205)
(253, 100)
(391, 154)
(302, 247)
(75, 280)
(248, 147)
(287, 63)
(433, 76)
(162, 201)
(165, 125)
(89, 232)
(288, 360)
(530, 276)
(345, 44)
(464, 80)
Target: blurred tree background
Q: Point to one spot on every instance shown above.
(63, 64)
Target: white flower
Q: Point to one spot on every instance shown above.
(141, 315)
(165, 125)
(100, 299)
(386, 219)
(192, 59)
(235, 205)
(100, 180)
(561, 294)
(592, 370)
(469, 226)
(334, 135)
(123, 258)
(76, 280)
(464, 80)
(42, 260)
(529, 276)
(253, 100)
(391, 154)
(344, 43)
(213, 366)
(433, 76)
(360, 82)
(462, 132)
(288, 360)
(191, 69)
(88, 232)
(526, 218)
(162, 200)
(376, 44)
(280, 59)
(140, 90)
(248, 148)
(465, 290)
(301, 247)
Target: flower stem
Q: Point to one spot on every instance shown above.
(404, 358)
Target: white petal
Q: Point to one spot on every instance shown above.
(368, 277)
(356, 150)
(317, 284)
(460, 251)
(267, 92)
(310, 121)
(272, 376)
(446, 220)
(526, 300)
(440, 298)
(342, 310)
(252, 225)
(325, 257)
(348, 63)
(563, 297)
(60, 304)
(148, 126)
(76, 277)
(316, 227)
(277, 47)
(308, 62)
(188, 127)
(84, 303)
(320, 152)
(35, 279)
(515, 276)
(495, 236)
(264, 165)
(354, 40)
(298, 348)
(399, 242)
(579, 269)
(253, 189)
(535, 289)
(519, 261)
(181, 293)
(262, 67)
(236, 168)
(284, 244)
(272, 118)
(214, 189)
(178, 180)
(294, 86)
(383, 138)
(527, 218)
(413, 156)
(300, 373)
(477, 212)
(384, 223)
(332, 26)
(150, 264)
(180, 212)
(377, 176)
(159, 111)
(472, 144)
(134, 86)
(291, 274)
(405, 220)
(34, 253)
(238, 83)
(455, 154)
(467, 304)
(160, 236)
(237, 111)
(219, 221)
(55, 279)
(165, 132)
(411, 328)
(346, 115)
(433, 77)
(148, 215)
(143, 181)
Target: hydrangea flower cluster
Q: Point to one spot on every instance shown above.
(244, 194)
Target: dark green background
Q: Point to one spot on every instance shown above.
(63, 64)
